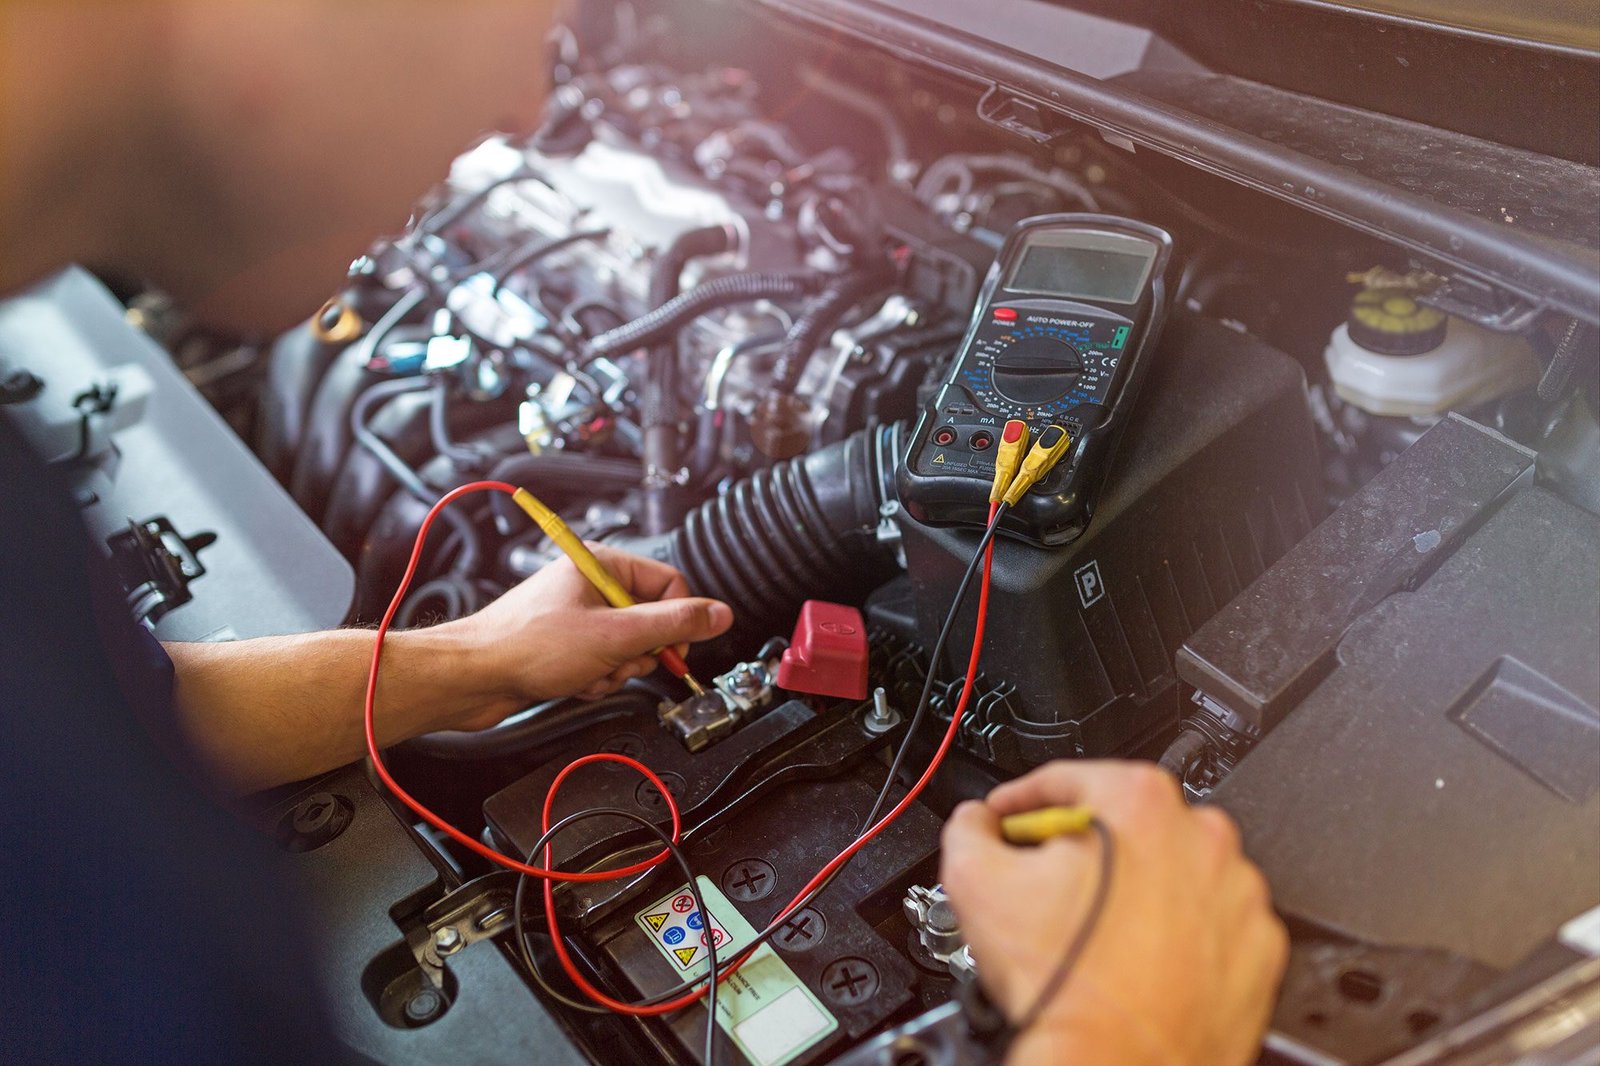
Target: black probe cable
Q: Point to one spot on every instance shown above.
(774, 927)
(521, 932)
(1080, 940)
(933, 666)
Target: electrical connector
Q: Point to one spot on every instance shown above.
(1052, 444)
(1013, 443)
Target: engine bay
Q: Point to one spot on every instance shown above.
(1338, 569)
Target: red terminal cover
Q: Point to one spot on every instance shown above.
(828, 654)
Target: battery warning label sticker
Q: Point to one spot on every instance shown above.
(768, 1012)
(676, 924)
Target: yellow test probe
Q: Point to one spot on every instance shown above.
(1008, 457)
(592, 568)
(1046, 823)
(1053, 443)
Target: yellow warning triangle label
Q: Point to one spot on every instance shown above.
(685, 955)
(939, 458)
(656, 921)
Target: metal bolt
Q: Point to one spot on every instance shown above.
(447, 940)
(881, 718)
(749, 880)
(850, 981)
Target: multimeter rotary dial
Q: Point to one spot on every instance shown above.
(1037, 371)
(1034, 370)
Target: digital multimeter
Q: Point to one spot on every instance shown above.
(1060, 336)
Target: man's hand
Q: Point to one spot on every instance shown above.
(554, 635)
(1185, 961)
(261, 712)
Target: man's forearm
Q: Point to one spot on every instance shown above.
(262, 712)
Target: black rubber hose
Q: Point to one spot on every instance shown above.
(469, 459)
(1181, 754)
(665, 321)
(410, 481)
(553, 474)
(802, 529)
(444, 599)
(383, 555)
(363, 483)
(817, 320)
(659, 408)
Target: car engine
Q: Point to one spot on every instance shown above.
(1341, 575)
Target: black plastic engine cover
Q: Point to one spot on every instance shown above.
(1439, 788)
(1217, 476)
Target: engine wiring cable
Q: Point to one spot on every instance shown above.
(688, 992)
(402, 472)
(462, 455)
(544, 844)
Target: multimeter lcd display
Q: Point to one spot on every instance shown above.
(1081, 273)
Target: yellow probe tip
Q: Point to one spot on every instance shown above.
(1035, 827)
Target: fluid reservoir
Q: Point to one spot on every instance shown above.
(1396, 356)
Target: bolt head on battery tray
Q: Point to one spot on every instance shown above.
(827, 655)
